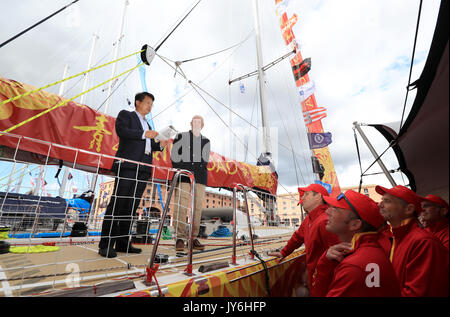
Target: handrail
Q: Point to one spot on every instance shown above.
(244, 190)
(151, 269)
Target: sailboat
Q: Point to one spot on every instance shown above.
(34, 130)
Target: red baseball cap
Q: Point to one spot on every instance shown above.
(365, 207)
(404, 193)
(314, 188)
(436, 200)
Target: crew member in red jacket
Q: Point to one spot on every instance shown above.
(420, 261)
(312, 230)
(358, 266)
(435, 216)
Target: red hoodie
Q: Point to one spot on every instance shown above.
(317, 239)
(364, 272)
(440, 230)
(420, 261)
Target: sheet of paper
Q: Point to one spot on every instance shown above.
(166, 133)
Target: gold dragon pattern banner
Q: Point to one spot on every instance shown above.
(78, 126)
(312, 114)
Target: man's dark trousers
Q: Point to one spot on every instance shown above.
(127, 193)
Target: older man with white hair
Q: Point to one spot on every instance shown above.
(190, 152)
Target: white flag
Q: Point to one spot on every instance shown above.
(306, 90)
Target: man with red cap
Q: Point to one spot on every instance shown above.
(358, 266)
(312, 230)
(435, 217)
(419, 259)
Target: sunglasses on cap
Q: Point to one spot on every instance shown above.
(341, 195)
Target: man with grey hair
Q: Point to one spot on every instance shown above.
(190, 152)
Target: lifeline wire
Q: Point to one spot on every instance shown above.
(66, 101)
(33, 26)
(65, 79)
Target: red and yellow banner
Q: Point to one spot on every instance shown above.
(77, 126)
(241, 281)
(309, 105)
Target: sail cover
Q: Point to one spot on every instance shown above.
(312, 113)
(77, 133)
(423, 141)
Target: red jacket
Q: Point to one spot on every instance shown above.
(420, 261)
(440, 231)
(317, 239)
(365, 272)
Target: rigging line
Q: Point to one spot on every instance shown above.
(218, 52)
(289, 138)
(192, 84)
(65, 79)
(66, 101)
(157, 48)
(174, 68)
(251, 119)
(36, 24)
(294, 109)
(117, 87)
(257, 129)
(223, 105)
(246, 148)
(234, 133)
(412, 61)
(393, 142)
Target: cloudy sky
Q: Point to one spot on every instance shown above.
(360, 51)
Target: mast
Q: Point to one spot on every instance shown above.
(62, 188)
(261, 81)
(86, 76)
(116, 54)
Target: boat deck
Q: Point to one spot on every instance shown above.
(75, 265)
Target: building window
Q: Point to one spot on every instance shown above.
(366, 191)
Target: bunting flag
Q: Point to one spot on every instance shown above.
(312, 114)
(301, 69)
(319, 140)
(306, 90)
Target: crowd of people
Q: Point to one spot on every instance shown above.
(357, 248)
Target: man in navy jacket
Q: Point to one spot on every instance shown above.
(136, 143)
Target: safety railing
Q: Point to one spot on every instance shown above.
(22, 273)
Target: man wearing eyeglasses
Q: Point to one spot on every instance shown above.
(420, 261)
(358, 266)
(435, 217)
(312, 230)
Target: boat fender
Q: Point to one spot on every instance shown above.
(212, 267)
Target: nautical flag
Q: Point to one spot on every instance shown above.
(286, 27)
(241, 86)
(314, 115)
(319, 140)
(69, 177)
(301, 69)
(306, 90)
(326, 185)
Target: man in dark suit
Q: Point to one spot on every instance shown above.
(190, 152)
(136, 143)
